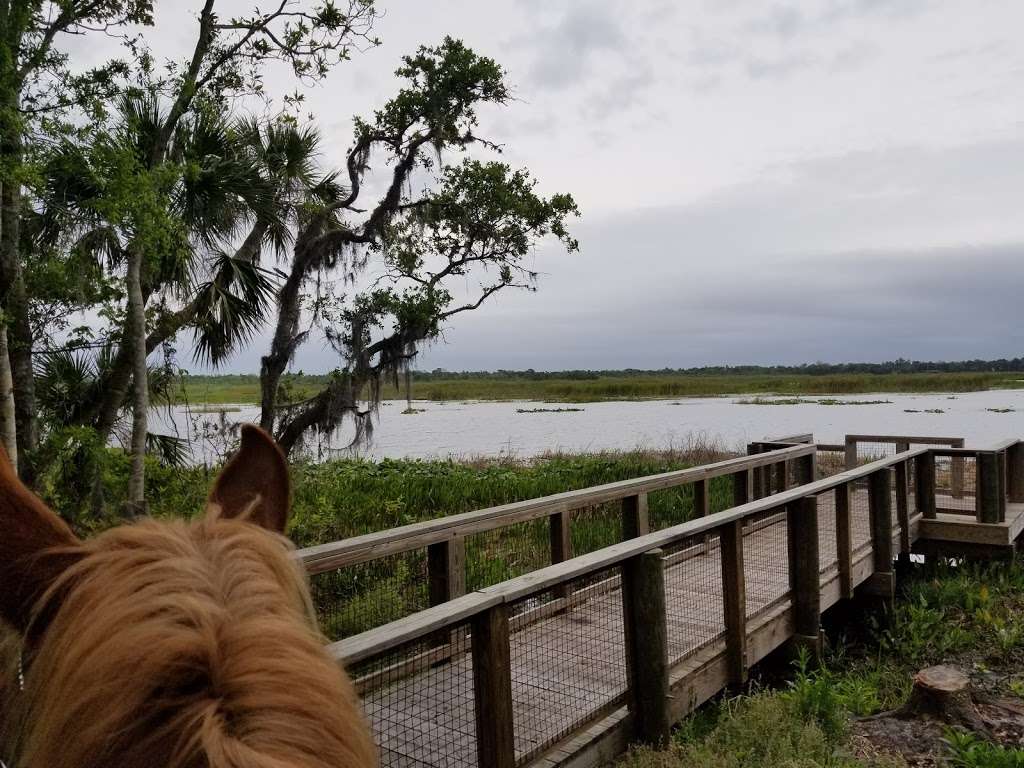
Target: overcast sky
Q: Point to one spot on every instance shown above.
(760, 182)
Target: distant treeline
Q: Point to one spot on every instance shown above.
(1002, 365)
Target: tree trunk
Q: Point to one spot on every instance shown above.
(15, 303)
(8, 431)
(135, 341)
(286, 339)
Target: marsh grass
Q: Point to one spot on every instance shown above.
(245, 388)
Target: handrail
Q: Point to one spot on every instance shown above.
(358, 647)
(920, 439)
(358, 549)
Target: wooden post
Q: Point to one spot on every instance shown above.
(1003, 487)
(757, 489)
(635, 521)
(446, 569)
(882, 583)
(734, 592)
(701, 498)
(741, 487)
(957, 472)
(804, 568)
(851, 453)
(987, 487)
(559, 528)
(492, 688)
(1015, 473)
(643, 605)
(903, 508)
(844, 540)
(924, 475)
(805, 469)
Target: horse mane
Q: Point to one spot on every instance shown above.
(185, 645)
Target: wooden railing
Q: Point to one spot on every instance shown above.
(444, 539)
(641, 562)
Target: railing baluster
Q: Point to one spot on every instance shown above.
(844, 540)
(903, 508)
(701, 499)
(924, 476)
(804, 568)
(635, 521)
(734, 600)
(446, 569)
(882, 582)
(742, 484)
(646, 636)
(492, 688)
(561, 544)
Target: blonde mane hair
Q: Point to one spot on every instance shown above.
(185, 645)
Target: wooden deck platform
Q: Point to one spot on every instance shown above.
(570, 668)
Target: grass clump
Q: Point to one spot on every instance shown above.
(756, 731)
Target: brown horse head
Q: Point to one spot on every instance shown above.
(177, 644)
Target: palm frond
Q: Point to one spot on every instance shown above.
(169, 450)
(231, 308)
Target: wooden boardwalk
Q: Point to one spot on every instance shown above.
(570, 668)
(566, 665)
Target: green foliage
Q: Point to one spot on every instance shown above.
(966, 750)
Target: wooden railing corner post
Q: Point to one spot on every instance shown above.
(804, 569)
(924, 478)
(988, 487)
(492, 688)
(646, 635)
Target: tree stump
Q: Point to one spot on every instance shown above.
(944, 693)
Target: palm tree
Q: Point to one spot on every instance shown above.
(167, 228)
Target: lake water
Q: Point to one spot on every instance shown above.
(462, 429)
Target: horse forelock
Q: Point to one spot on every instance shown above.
(185, 645)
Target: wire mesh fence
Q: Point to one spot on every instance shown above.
(829, 463)
(693, 596)
(569, 668)
(828, 550)
(503, 553)
(359, 597)
(766, 560)
(419, 701)
(676, 505)
(860, 516)
(956, 479)
(596, 527)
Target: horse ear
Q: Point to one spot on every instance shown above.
(36, 547)
(254, 485)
